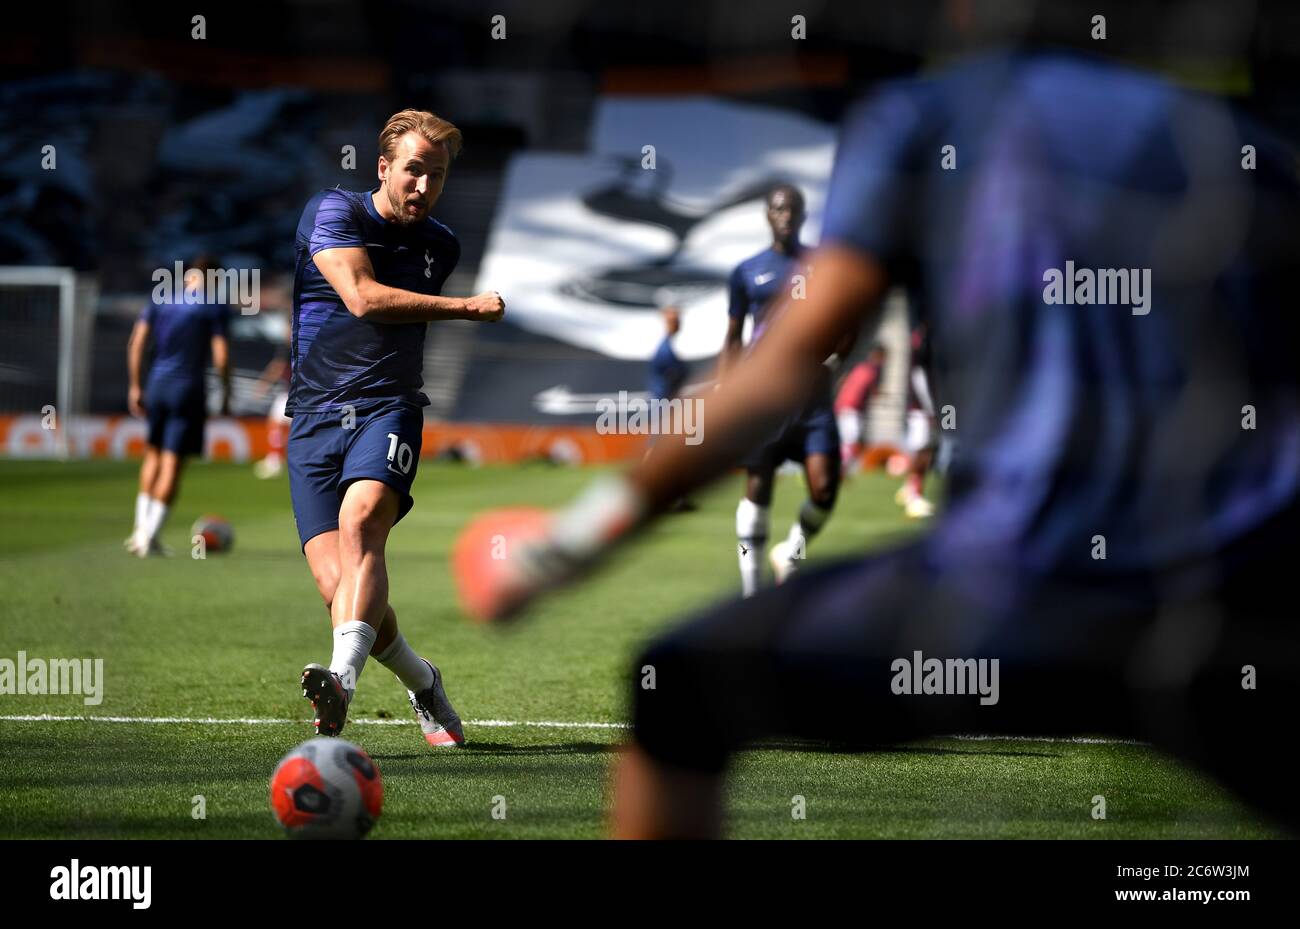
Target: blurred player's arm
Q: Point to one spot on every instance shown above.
(221, 361)
(350, 273)
(135, 347)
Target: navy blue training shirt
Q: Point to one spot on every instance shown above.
(182, 343)
(667, 372)
(754, 285)
(338, 359)
(1171, 432)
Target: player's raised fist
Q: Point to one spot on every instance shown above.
(487, 306)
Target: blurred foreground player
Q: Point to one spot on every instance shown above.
(185, 337)
(809, 435)
(1122, 513)
(371, 265)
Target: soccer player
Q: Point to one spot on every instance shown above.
(371, 265)
(667, 371)
(185, 337)
(851, 400)
(810, 436)
(1121, 516)
(668, 375)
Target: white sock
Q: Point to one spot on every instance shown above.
(155, 514)
(751, 533)
(142, 501)
(352, 642)
(810, 522)
(412, 670)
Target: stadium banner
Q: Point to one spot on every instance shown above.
(245, 439)
(589, 247)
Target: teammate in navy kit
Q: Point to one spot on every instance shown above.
(668, 373)
(371, 266)
(185, 337)
(810, 436)
(1122, 511)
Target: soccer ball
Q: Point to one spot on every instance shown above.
(327, 789)
(216, 532)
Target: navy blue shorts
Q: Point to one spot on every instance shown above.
(176, 415)
(813, 431)
(327, 451)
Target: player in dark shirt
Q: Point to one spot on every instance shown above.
(1121, 514)
(371, 266)
(811, 436)
(667, 371)
(185, 337)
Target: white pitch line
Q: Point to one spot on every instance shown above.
(248, 721)
(487, 723)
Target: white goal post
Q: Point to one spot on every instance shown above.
(73, 329)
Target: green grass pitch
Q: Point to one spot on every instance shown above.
(226, 637)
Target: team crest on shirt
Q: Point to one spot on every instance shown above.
(428, 264)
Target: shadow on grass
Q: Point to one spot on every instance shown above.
(480, 749)
(837, 748)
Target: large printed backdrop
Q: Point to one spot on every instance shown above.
(587, 248)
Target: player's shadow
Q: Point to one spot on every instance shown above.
(475, 749)
(837, 748)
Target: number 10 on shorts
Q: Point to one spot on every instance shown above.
(400, 453)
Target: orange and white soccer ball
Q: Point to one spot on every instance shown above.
(217, 534)
(327, 788)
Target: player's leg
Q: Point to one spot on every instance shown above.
(360, 603)
(162, 431)
(143, 501)
(822, 475)
(849, 421)
(920, 445)
(379, 469)
(322, 553)
(277, 433)
(182, 434)
(819, 440)
(162, 494)
(315, 457)
(653, 800)
(918, 507)
(752, 525)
